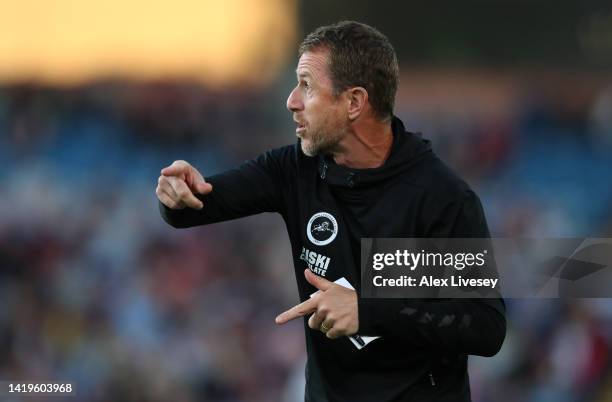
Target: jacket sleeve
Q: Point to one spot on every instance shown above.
(254, 187)
(452, 326)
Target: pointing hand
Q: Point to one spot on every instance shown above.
(178, 184)
(334, 309)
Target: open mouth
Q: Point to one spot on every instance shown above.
(300, 128)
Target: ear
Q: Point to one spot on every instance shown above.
(358, 99)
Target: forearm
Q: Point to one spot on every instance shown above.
(217, 208)
(183, 218)
(252, 188)
(457, 326)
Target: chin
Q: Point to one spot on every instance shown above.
(308, 149)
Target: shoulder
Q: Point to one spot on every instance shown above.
(439, 181)
(450, 208)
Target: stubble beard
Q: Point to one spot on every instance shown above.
(321, 142)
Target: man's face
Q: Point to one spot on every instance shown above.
(321, 117)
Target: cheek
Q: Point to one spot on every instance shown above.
(314, 114)
(334, 116)
(321, 112)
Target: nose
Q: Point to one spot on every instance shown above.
(294, 103)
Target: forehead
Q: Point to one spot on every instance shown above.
(314, 63)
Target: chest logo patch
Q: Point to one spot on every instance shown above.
(322, 228)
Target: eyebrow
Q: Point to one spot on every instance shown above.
(302, 74)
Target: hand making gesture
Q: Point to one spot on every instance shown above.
(178, 184)
(334, 308)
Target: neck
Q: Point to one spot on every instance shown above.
(367, 144)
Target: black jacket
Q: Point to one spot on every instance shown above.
(422, 355)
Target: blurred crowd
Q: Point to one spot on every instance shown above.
(96, 289)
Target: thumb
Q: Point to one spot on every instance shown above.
(317, 281)
(203, 187)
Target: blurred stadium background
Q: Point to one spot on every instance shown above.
(96, 97)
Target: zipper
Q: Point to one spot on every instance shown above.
(431, 380)
(324, 170)
(350, 181)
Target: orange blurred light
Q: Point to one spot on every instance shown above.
(70, 41)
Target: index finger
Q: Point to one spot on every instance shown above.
(177, 168)
(300, 310)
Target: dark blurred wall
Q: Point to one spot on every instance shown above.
(567, 34)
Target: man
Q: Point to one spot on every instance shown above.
(355, 172)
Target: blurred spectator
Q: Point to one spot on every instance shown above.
(96, 289)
